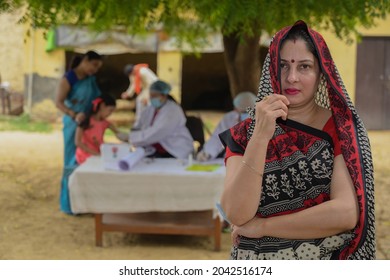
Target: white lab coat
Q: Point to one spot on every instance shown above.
(213, 146)
(169, 129)
(147, 78)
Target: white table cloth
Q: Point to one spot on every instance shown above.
(153, 185)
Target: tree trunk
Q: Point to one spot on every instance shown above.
(242, 60)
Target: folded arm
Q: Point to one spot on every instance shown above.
(339, 214)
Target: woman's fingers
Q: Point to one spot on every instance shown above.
(275, 97)
(278, 105)
(268, 110)
(278, 109)
(272, 106)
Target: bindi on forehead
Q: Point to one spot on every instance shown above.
(292, 60)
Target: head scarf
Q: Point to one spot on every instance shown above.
(351, 132)
(161, 87)
(243, 100)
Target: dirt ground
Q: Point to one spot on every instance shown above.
(32, 227)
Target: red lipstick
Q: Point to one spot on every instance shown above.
(291, 91)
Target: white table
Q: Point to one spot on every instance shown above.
(158, 196)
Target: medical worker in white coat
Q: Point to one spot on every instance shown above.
(213, 147)
(162, 125)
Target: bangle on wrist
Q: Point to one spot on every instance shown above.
(252, 168)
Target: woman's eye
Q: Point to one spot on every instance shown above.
(305, 66)
(283, 65)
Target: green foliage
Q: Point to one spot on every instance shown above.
(191, 20)
(23, 123)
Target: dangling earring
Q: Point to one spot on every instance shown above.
(321, 96)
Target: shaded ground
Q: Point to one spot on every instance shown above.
(32, 227)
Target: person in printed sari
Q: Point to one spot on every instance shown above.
(299, 176)
(75, 93)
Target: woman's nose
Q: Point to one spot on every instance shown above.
(292, 76)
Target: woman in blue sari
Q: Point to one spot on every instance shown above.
(75, 93)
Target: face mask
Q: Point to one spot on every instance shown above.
(244, 116)
(156, 102)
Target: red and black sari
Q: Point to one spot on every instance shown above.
(299, 165)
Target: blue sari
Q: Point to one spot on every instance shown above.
(78, 100)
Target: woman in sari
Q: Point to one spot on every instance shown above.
(299, 175)
(75, 93)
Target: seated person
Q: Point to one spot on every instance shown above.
(213, 148)
(162, 125)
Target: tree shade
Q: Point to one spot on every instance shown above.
(241, 22)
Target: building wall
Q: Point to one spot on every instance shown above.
(345, 55)
(38, 60)
(169, 69)
(11, 50)
(19, 42)
(42, 69)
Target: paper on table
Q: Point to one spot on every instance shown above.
(131, 159)
(111, 153)
(203, 167)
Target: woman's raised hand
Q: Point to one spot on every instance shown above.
(267, 111)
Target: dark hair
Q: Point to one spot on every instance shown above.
(297, 32)
(108, 100)
(90, 55)
(128, 69)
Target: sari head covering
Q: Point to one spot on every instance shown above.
(284, 158)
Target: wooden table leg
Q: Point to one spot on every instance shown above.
(99, 230)
(182, 223)
(217, 234)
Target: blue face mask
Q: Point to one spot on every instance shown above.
(244, 116)
(156, 102)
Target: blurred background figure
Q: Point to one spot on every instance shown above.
(90, 132)
(141, 78)
(75, 92)
(162, 125)
(213, 148)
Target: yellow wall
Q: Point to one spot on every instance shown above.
(169, 67)
(345, 56)
(38, 61)
(11, 44)
(169, 64)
